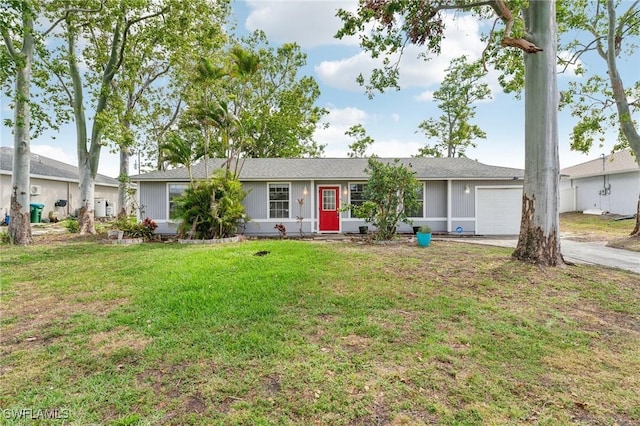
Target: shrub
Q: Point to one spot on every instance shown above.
(391, 191)
(425, 229)
(144, 229)
(72, 225)
(212, 209)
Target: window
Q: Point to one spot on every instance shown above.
(175, 191)
(328, 200)
(419, 210)
(278, 200)
(356, 191)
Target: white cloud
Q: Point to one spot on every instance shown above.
(395, 118)
(462, 37)
(426, 96)
(309, 23)
(341, 119)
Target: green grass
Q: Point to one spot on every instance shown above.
(601, 225)
(314, 333)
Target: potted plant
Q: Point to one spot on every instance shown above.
(424, 236)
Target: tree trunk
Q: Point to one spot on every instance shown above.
(539, 241)
(636, 229)
(20, 210)
(86, 220)
(627, 126)
(124, 185)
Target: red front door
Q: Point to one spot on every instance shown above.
(329, 204)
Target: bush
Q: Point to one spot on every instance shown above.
(144, 229)
(211, 209)
(391, 191)
(425, 229)
(72, 226)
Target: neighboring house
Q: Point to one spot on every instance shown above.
(51, 181)
(610, 183)
(458, 194)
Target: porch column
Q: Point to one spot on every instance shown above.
(312, 205)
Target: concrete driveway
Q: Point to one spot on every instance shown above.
(578, 252)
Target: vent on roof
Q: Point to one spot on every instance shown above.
(35, 189)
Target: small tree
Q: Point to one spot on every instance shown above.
(362, 141)
(212, 208)
(459, 90)
(391, 191)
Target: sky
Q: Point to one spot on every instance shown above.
(391, 118)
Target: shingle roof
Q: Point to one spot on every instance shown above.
(44, 167)
(339, 169)
(618, 162)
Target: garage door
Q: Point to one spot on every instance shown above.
(498, 211)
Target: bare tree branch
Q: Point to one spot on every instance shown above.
(68, 13)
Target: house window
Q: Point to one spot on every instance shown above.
(279, 200)
(356, 193)
(418, 211)
(175, 191)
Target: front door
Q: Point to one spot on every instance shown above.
(329, 214)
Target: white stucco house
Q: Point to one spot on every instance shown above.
(610, 183)
(54, 184)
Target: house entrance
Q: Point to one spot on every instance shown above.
(328, 201)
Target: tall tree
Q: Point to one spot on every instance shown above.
(539, 240)
(270, 108)
(20, 70)
(392, 24)
(157, 58)
(105, 26)
(361, 143)
(16, 25)
(280, 115)
(458, 92)
(607, 30)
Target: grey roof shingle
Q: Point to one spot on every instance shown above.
(339, 169)
(618, 162)
(45, 167)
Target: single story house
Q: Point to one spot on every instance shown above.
(459, 195)
(51, 181)
(610, 183)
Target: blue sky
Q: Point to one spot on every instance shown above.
(392, 118)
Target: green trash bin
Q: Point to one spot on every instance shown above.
(36, 212)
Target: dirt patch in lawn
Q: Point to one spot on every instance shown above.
(107, 343)
(33, 318)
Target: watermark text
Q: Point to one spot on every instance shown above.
(34, 413)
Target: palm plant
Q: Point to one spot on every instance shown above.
(182, 149)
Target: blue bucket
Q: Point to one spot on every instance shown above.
(423, 239)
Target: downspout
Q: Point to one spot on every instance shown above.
(68, 198)
(138, 205)
(449, 207)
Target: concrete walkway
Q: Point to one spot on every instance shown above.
(577, 252)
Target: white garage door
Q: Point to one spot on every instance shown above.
(498, 211)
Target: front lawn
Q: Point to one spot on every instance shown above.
(313, 333)
(600, 228)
